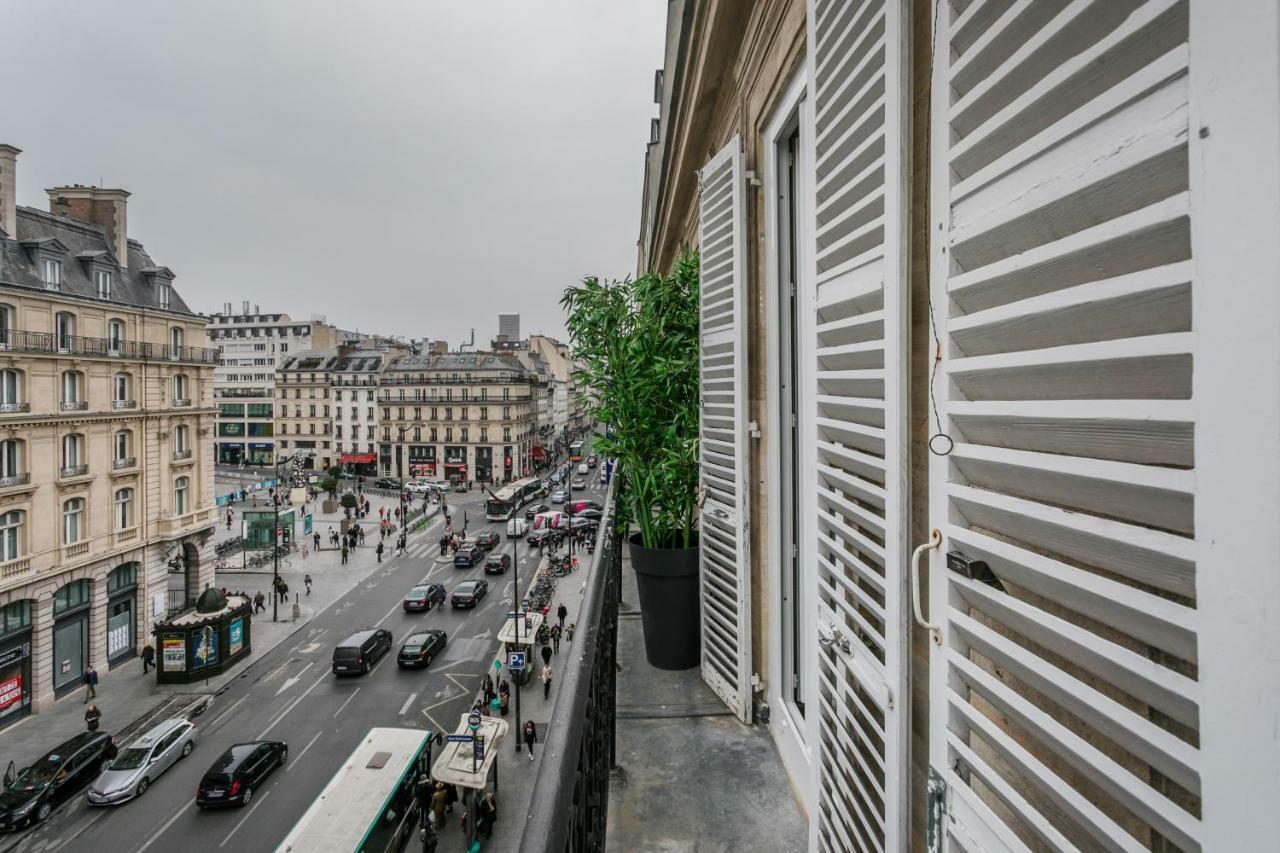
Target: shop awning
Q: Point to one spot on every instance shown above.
(358, 458)
(537, 452)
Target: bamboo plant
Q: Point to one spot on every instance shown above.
(638, 340)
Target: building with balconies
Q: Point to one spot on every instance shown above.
(106, 495)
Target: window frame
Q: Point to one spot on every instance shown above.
(12, 534)
(74, 517)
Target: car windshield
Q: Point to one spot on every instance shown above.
(36, 776)
(412, 648)
(131, 758)
(466, 589)
(346, 653)
(418, 592)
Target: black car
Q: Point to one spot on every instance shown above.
(358, 653)
(468, 556)
(53, 778)
(424, 597)
(535, 509)
(591, 512)
(469, 593)
(387, 483)
(543, 537)
(487, 539)
(497, 564)
(419, 648)
(243, 767)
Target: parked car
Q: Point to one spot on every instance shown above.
(244, 766)
(387, 483)
(487, 539)
(468, 556)
(53, 778)
(358, 653)
(542, 537)
(497, 564)
(419, 648)
(583, 469)
(417, 487)
(517, 527)
(559, 496)
(589, 512)
(579, 522)
(592, 461)
(534, 510)
(469, 593)
(578, 506)
(424, 597)
(141, 762)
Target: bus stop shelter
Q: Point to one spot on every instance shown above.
(467, 758)
(526, 624)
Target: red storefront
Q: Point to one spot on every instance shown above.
(365, 464)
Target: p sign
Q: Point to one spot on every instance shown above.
(515, 661)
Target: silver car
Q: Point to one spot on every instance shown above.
(141, 763)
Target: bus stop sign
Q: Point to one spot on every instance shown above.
(473, 720)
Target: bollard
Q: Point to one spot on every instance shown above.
(297, 608)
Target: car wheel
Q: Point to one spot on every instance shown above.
(427, 662)
(284, 756)
(246, 796)
(186, 748)
(143, 786)
(365, 668)
(42, 812)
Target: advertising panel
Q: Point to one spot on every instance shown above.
(235, 635)
(174, 650)
(206, 650)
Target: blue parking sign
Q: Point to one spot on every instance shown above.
(515, 661)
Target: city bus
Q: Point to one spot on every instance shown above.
(575, 452)
(511, 497)
(368, 805)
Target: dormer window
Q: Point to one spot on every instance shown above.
(163, 293)
(51, 271)
(102, 278)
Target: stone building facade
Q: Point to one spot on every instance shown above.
(106, 493)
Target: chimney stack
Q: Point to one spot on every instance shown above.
(9, 190)
(246, 307)
(106, 207)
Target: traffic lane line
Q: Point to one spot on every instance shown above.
(298, 757)
(253, 809)
(274, 722)
(344, 705)
(164, 827)
(225, 714)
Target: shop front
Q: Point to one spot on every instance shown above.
(360, 464)
(384, 460)
(15, 662)
(261, 452)
(508, 465)
(70, 635)
(484, 464)
(455, 464)
(230, 452)
(122, 605)
(422, 460)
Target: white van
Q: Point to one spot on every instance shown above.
(583, 469)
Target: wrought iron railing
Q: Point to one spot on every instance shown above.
(20, 340)
(570, 804)
(124, 462)
(15, 480)
(74, 470)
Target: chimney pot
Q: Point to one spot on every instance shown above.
(9, 190)
(108, 208)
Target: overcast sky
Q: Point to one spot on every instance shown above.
(410, 168)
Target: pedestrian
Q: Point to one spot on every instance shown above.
(258, 605)
(438, 805)
(228, 519)
(546, 656)
(450, 796)
(546, 681)
(307, 580)
(555, 638)
(504, 702)
(487, 688)
(91, 717)
(430, 841)
(569, 631)
(444, 545)
(561, 613)
(148, 658)
(90, 676)
(379, 551)
(530, 737)
(284, 593)
(486, 815)
(344, 553)
(315, 540)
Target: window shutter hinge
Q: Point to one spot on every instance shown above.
(753, 429)
(752, 178)
(794, 421)
(793, 289)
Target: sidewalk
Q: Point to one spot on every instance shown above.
(124, 694)
(516, 773)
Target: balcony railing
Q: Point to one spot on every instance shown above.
(18, 340)
(570, 804)
(74, 471)
(15, 480)
(181, 402)
(14, 568)
(124, 404)
(124, 462)
(73, 405)
(179, 455)
(475, 380)
(13, 408)
(75, 549)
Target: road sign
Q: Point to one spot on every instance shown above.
(515, 661)
(479, 747)
(279, 532)
(460, 738)
(514, 615)
(473, 720)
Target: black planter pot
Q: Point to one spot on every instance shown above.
(667, 579)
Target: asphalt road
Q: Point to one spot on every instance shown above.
(291, 695)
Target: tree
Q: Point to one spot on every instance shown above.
(330, 486)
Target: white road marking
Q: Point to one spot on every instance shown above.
(346, 703)
(397, 606)
(165, 826)
(307, 649)
(405, 707)
(298, 757)
(290, 707)
(260, 801)
(226, 713)
(88, 823)
(294, 679)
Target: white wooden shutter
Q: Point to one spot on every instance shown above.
(859, 288)
(1064, 700)
(726, 587)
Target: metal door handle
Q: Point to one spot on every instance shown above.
(935, 539)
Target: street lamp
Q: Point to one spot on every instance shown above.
(275, 549)
(515, 607)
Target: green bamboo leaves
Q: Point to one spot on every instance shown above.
(638, 340)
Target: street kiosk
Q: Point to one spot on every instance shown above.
(526, 623)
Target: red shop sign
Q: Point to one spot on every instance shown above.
(10, 691)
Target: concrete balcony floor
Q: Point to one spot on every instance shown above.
(690, 776)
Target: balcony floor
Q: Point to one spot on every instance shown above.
(690, 776)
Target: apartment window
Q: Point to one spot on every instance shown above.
(123, 445)
(72, 387)
(368, 396)
(175, 341)
(506, 393)
(72, 521)
(386, 414)
(163, 294)
(121, 388)
(417, 413)
(386, 433)
(354, 413)
(484, 413)
(124, 509)
(311, 410)
(337, 395)
(284, 411)
(368, 433)
(64, 330)
(463, 435)
(72, 450)
(464, 391)
(297, 411)
(417, 433)
(433, 434)
(180, 387)
(284, 347)
(506, 433)
(313, 428)
(506, 413)
(10, 458)
(448, 433)
(181, 438)
(369, 413)
(52, 274)
(448, 414)
(115, 335)
(337, 432)
(462, 414)
(10, 390)
(435, 413)
(484, 435)
(448, 393)
(11, 535)
(102, 278)
(400, 414)
(181, 495)
(6, 325)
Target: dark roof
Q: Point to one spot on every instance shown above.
(80, 242)
(455, 361)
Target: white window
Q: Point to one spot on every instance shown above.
(72, 521)
(181, 489)
(102, 278)
(124, 509)
(181, 438)
(11, 535)
(121, 387)
(6, 325)
(163, 292)
(72, 386)
(10, 458)
(115, 335)
(52, 274)
(72, 451)
(65, 330)
(180, 387)
(123, 445)
(175, 342)
(10, 389)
